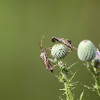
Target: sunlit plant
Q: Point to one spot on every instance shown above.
(58, 53)
(87, 52)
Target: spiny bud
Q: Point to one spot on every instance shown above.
(96, 62)
(59, 51)
(86, 50)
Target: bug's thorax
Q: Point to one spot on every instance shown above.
(44, 57)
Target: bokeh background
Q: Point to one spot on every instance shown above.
(22, 24)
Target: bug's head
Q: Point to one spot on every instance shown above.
(53, 39)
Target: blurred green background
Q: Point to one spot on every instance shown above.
(22, 24)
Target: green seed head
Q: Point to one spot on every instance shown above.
(86, 50)
(59, 51)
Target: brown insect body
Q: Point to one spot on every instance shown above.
(44, 57)
(67, 42)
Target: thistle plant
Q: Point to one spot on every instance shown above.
(58, 53)
(96, 61)
(87, 52)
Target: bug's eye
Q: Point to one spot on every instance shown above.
(69, 41)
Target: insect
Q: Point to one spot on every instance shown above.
(67, 42)
(44, 57)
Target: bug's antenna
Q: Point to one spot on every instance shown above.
(42, 40)
(40, 44)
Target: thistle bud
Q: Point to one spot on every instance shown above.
(59, 51)
(86, 50)
(96, 61)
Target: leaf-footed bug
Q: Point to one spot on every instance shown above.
(44, 57)
(67, 42)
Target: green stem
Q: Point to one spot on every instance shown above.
(65, 80)
(95, 76)
(67, 86)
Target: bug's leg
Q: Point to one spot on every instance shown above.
(47, 67)
(46, 50)
(53, 61)
(75, 48)
(69, 51)
(70, 48)
(50, 59)
(52, 68)
(49, 48)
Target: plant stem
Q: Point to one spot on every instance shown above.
(95, 76)
(67, 85)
